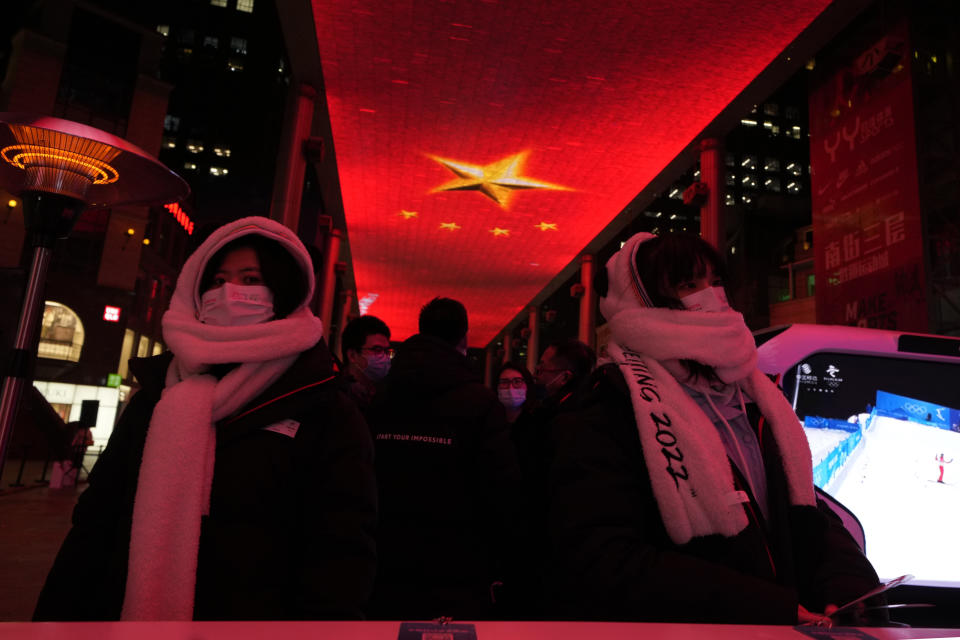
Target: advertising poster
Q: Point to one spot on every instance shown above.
(867, 228)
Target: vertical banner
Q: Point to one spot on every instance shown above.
(867, 228)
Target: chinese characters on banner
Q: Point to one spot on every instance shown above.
(867, 226)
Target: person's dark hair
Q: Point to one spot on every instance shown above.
(357, 331)
(579, 358)
(666, 261)
(281, 272)
(514, 366)
(444, 318)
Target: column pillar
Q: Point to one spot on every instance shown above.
(490, 365)
(588, 302)
(712, 224)
(327, 284)
(346, 302)
(291, 163)
(533, 342)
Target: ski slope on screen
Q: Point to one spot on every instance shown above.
(911, 519)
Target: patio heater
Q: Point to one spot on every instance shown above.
(58, 168)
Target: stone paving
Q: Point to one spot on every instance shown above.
(34, 519)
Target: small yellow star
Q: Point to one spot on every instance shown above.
(497, 231)
(449, 226)
(497, 181)
(408, 214)
(546, 226)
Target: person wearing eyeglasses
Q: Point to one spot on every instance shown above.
(514, 386)
(366, 358)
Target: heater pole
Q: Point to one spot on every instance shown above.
(23, 354)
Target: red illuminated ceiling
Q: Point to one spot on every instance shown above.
(482, 143)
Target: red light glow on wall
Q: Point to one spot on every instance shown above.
(111, 314)
(481, 145)
(181, 216)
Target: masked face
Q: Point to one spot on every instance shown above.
(709, 299)
(231, 305)
(378, 366)
(511, 397)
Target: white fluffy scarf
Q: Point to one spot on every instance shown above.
(689, 471)
(176, 473)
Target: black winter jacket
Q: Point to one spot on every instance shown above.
(290, 529)
(449, 487)
(614, 560)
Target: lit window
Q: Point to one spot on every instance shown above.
(749, 163)
(281, 66)
(210, 41)
(218, 3)
(771, 164)
(169, 142)
(730, 200)
(749, 181)
(194, 147)
(676, 193)
(772, 184)
(245, 5)
(731, 179)
(234, 65)
(61, 333)
(125, 352)
(223, 152)
(771, 109)
(189, 165)
(793, 186)
(795, 132)
(171, 123)
(238, 45)
(746, 199)
(794, 169)
(748, 123)
(696, 174)
(218, 171)
(143, 347)
(163, 29)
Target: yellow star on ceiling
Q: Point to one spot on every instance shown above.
(497, 181)
(408, 214)
(497, 231)
(546, 226)
(449, 226)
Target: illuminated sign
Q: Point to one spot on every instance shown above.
(111, 314)
(113, 379)
(478, 158)
(181, 216)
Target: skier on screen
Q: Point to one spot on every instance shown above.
(941, 461)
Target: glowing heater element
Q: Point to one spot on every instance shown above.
(111, 314)
(57, 162)
(181, 216)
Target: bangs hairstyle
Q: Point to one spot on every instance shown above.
(281, 272)
(519, 368)
(666, 261)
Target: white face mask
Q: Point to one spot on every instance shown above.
(512, 397)
(234, 305)
(377, 367)
(709, 299)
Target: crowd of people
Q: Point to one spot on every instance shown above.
(254, 477)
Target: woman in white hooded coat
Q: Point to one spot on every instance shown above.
(238, 483)
(682, 489)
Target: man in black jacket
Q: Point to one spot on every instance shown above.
(448, 479)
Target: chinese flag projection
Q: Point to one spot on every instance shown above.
(866, 208)
(482, 143)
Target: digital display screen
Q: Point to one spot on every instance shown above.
(884, 434)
